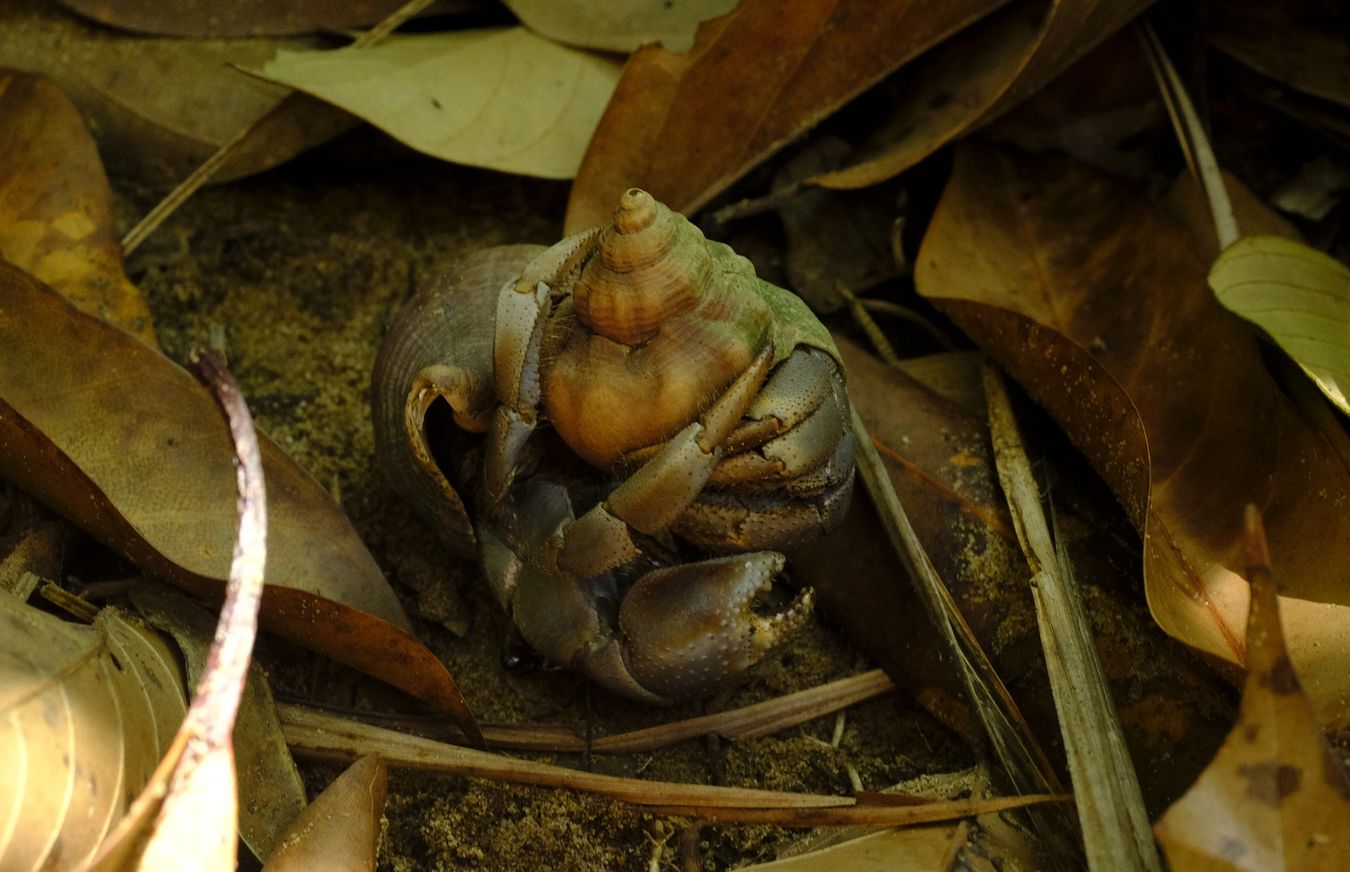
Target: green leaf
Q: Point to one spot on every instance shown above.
(501, 98)
(1299, 296)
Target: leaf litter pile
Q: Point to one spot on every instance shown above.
(1084, 263)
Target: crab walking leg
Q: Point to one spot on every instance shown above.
(520, 329)
(652, 498)
(523, 308)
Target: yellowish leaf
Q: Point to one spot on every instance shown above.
(85, 713)
(1275, 796)
(501, 98)
(1298, 295)
(340, 831)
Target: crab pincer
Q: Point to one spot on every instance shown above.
(708, 404)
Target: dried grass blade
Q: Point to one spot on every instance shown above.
(929, 812)
(1116, 832)
(759, 719)
(1191, 136)
(324, 736)
(1025, 763)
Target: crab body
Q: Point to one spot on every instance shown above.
(707, 404)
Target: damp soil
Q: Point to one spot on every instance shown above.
(296, 274)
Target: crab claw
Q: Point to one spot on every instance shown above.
(694, 628)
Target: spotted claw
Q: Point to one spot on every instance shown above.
(694, 628)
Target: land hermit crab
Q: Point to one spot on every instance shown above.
(624, 428)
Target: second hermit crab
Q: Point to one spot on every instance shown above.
(639, 424)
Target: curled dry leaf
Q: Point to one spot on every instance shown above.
(55, 205)
(1300, 297)
(270, 788)
(1299, 45)
(501, 98)
(145, 128)
(1096, 302)
(1020, 48)
(340, 830)
(85, 714)
(685, 126)
(1276, 796)
(239, 18)
(619, 25)
(127, 445)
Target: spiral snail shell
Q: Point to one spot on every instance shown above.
(708, 404)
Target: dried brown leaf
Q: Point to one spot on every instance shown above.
(340, 830)
(118, 438)
(56, 217)
(1298, 45)
(1096, 302)
(981, 844)
(685, 126)
(159, 107)
(911, 848)
(836, 240)
(1019, 49)
(1275, 797)
(239, 18)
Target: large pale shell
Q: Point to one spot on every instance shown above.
(439, 349)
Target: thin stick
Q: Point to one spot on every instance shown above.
(226, 669)
(200, 761)
(1116, 832)
(322, 740)
(758, 719)
(209, 167)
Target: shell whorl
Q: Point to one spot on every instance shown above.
(650, 265)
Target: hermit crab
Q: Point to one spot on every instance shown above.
(625, 428)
